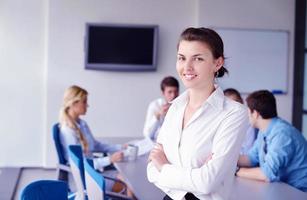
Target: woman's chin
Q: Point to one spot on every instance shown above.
(188, 84)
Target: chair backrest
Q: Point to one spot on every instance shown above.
(95, 182)
(58, 145)
(45, 190)
(77, 168)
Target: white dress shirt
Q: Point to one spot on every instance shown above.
(152, 124)
(217, 127)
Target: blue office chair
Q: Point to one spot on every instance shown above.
(45, 190)
(63, 168)
(96, 184)
(77, 170)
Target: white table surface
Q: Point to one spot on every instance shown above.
(134, 173)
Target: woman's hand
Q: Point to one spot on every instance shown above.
(163, 110)
(117, 156)
(158, 157)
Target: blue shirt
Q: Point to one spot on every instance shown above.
(281, 153)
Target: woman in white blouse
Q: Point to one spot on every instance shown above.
(199, 142)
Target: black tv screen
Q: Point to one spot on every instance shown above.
(121, 47)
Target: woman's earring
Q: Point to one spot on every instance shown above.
(216, 74)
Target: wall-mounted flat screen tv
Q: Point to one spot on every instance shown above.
(118, 47)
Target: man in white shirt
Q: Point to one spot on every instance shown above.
(158, 108)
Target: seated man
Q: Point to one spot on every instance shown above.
(157, 109)
(251, 133)
(280, 151)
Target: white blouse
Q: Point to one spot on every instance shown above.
(217, 127)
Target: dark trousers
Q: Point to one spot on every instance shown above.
(188, 196)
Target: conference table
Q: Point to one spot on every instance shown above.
(134, 174)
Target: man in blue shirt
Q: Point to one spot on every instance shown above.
(280, 151)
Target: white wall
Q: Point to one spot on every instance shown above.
(261, 14)
(21, 82)
(41, 54)
(118, 100)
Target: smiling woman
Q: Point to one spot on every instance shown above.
(199, 141)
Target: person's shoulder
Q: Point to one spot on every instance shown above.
(82, 122)
(65, 129)
(233, 106)
(181, 99)
(283, 130)
(284, 126)
(63, 126)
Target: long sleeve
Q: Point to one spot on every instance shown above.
(208, 177)
(152, 172)
(152, 124)
(101, 162)
(96, 146)
(217, 128)
(279, 153)
(253, 153)
(106, 148)
(69, 137)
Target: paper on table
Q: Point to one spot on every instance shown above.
(144, 145)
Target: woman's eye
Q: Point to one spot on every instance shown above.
(198, 59)
(180, 58)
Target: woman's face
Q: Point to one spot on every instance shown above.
(196, 65)
(80, 107)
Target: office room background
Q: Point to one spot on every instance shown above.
(42, 53)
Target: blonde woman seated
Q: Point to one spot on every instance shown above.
(75, 131)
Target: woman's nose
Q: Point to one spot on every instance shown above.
(188, 65)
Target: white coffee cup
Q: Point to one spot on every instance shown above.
(131, 152)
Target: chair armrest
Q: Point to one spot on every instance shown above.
(114, 179)
(72, 196)
(118, 196)
(119, 181)
(64, 167)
